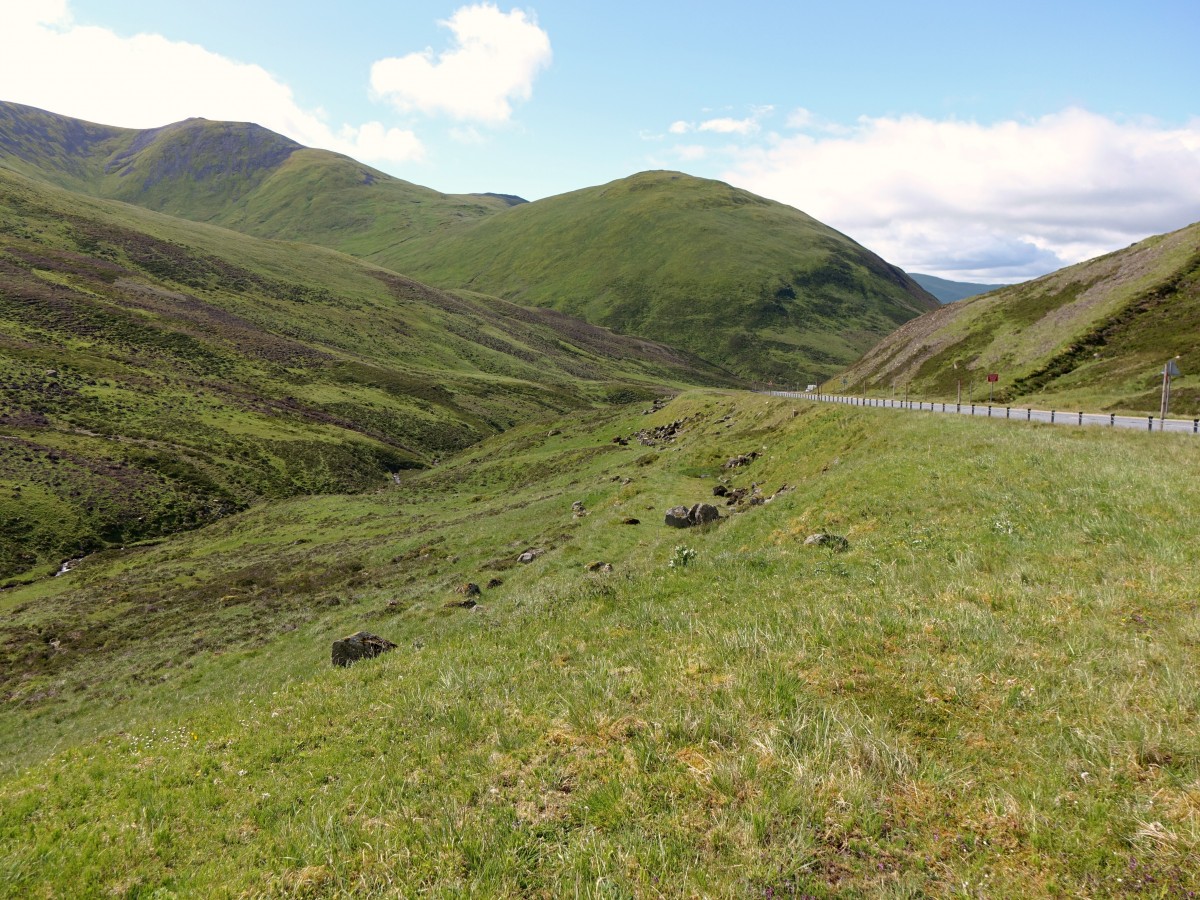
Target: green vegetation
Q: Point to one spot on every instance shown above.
(158, 374)
(1093, 336)
(748, 284)
(979, 685)
(234, 174)
(987, 694)
(950, 291)
(756, 286)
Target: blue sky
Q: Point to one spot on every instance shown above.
(975, 141)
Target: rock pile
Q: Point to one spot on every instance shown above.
(362, 645)
(700, 514)
(744, 460)
(663, 434)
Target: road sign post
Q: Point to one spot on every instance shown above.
(1170, 370)
(993, 377)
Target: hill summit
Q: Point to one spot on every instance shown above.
(749, 284)
(746, 282)
(236, 174)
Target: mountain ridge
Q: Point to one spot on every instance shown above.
(159, 373)
(752, 285)
(749, 283)
(948, 291)
(1096, 333)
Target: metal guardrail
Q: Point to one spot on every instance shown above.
(1020, 413)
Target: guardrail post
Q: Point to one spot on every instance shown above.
(1195, 426)
(989, 410)
(1150, 422)
(1051, 417)
(1028, 414)
(972, 409)
(1081, 417)
(1112, 420)
(1008, 412)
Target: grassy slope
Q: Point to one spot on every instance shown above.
(235, 174)
(1094, 335)
(950, 291)
(158, 374)
(987, 695)
(752, 284)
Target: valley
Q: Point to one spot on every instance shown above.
(982, 688)
(255, 398)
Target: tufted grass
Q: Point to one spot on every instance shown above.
(992, 692)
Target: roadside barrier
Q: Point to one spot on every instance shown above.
(1051, 416)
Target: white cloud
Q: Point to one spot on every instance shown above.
(986, 202)
(146, 81)
(494, 60)
(725, 124)
(373, 141)
(799, 118)
(729, 126)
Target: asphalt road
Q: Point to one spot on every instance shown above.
(1020, 413)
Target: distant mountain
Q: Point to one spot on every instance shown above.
(748, 283)
(156, 374)
(234, 174)
(752, 285)
(948, 291)
(1094, 335)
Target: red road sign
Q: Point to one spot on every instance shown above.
(993, 376)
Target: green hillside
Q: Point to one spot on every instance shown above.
(986, 694)
(948, 291)
(158, 374)
(1092, 336)
(751, 284)
(235, 174)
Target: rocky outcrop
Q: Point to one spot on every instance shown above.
(700, 514)
(738, 461)
(677, 517)
(834, 542)
(362, 645)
